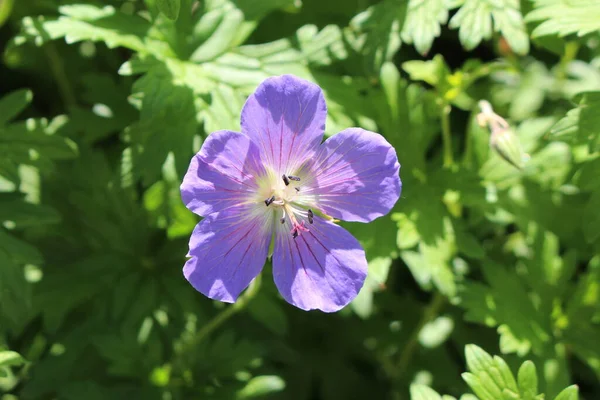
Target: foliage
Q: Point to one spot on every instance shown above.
(491, 379)
(105, 103)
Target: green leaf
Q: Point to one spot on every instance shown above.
(493, 306)
(223, 38)
(436, 332)
(570, 393)
(10, 358)
(422, 392)
(23, 214)
(30, 141)
(475, 18)
(581, 124)
(591, 218)
(268, 311)
(527, 378)
(375, 33)
(434, 72)
(377, 276)
(5, 9)
(13, 103)
(489, 376)
(261, 386)
(431, 263)
(165, 106)
(170, 8)
(15, 293)
(79, 22)
(563, 18)
(19, 251)
(423, 21)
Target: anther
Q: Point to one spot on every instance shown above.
(282, 220)
(297, 189)
(269, 201)
(295, 233)
(285, 180)
(293, 178)
(310, 216)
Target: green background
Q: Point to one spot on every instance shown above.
(493, 248)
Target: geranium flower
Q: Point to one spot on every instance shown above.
(276, 182)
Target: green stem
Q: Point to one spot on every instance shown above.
(446, 134)
(58, 70)
(407, 353)
(190, 346)
(228, 312)
(571, 50)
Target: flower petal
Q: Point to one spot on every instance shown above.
(222, 174)
(323, 268)
(228, 249)
(285, 117)
(354, 177)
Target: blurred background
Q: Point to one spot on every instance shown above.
(492, 250)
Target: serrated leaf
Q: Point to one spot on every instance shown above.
(491, 379)
(563, 18)
(80, 22)
(423, 23)
(581, 124)
(375, 33)
(477, 19)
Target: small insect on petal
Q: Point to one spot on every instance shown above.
(269, 201)
(295, 233)
(310, 216)
(285, 180)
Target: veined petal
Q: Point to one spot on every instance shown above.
(223, 173)
(285, 117)
(228, 249)
(323, 268)
(354, 177)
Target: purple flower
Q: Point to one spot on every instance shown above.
(276, 182)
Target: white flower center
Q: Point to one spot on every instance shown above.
(280, 194)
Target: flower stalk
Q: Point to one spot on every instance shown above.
(446, 135)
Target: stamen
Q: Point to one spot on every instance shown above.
(269, 201)
(285, 180)
(282, 219)
(293, 178)
(297, 189)
(310, 216)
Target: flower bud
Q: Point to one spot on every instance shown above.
(507, 145)
(503, 138)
